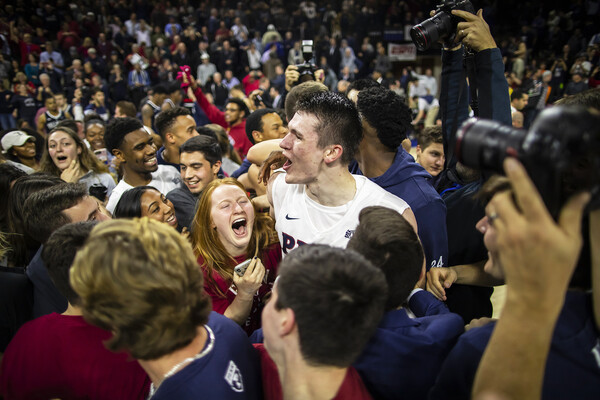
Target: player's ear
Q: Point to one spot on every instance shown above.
(332, 153)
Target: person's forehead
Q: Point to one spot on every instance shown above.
(184, 121)
(435, 147)
(271, 118)
(150, 196)
(303, 122)
(82, 210)
(136, 137)
(95, 128)
(227, 192)
(192, 158)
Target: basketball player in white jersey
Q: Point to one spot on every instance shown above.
(317, 200)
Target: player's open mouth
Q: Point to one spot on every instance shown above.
(287, 165)
(239, 227)
(150, 162)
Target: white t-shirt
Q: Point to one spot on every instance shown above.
(301, 220)
(426, 106)
(165, 179)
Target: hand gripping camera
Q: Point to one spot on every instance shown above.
(442, 26)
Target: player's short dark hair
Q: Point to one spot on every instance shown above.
(59, 252)
(337, 297)
(127, 108)
(166, 119)
(207, 145)
(43, 210)
(159, 88)
(338, 121)
(298, 92)
(517, 94)
(117, 129)
(254, 122)
(393, 247)
(387, 113)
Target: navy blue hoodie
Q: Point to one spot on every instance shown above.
(409, 181)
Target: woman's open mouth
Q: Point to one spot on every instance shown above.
(239, 227)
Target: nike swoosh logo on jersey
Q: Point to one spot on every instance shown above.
(287, 216)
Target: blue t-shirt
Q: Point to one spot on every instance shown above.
(230, 369)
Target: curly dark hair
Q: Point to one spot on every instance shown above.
(387, 113)
(117, 129)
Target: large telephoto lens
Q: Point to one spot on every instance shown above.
(428, 32)
(484, 144)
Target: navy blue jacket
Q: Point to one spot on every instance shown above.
(231, 370)
(46, 297)
(572, 368)
(403, 358)
(409, 181)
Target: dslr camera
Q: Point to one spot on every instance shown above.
(561, 152)
(307, 68)
(442, 26)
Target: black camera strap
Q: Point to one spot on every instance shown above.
(470, 72)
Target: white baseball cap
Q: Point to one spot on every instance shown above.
(14, 138)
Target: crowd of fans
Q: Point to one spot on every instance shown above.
(202, 204)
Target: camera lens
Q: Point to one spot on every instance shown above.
(484, 144)
(431, 30)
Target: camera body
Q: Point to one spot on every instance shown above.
(98, 191)
(561, 152)
(441, 26)
(307, 68)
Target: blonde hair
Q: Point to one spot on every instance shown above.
(206, 242)
(139, 279)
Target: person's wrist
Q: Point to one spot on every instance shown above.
(546, 303)
(245, 296)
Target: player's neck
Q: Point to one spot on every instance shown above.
(373, 158)
(333, 187)
(171, 155)
(174, 362)
(136, 179)
(301, 381)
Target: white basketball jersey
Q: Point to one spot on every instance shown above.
(301, 220)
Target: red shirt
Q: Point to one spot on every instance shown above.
(270, 258)
(352, 387)
(60, 356)
(237, 132)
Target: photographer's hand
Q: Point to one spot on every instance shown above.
(474, 32)
(538, 256)
(291, 76)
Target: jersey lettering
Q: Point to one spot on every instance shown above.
(439, 263)
(289, 243)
